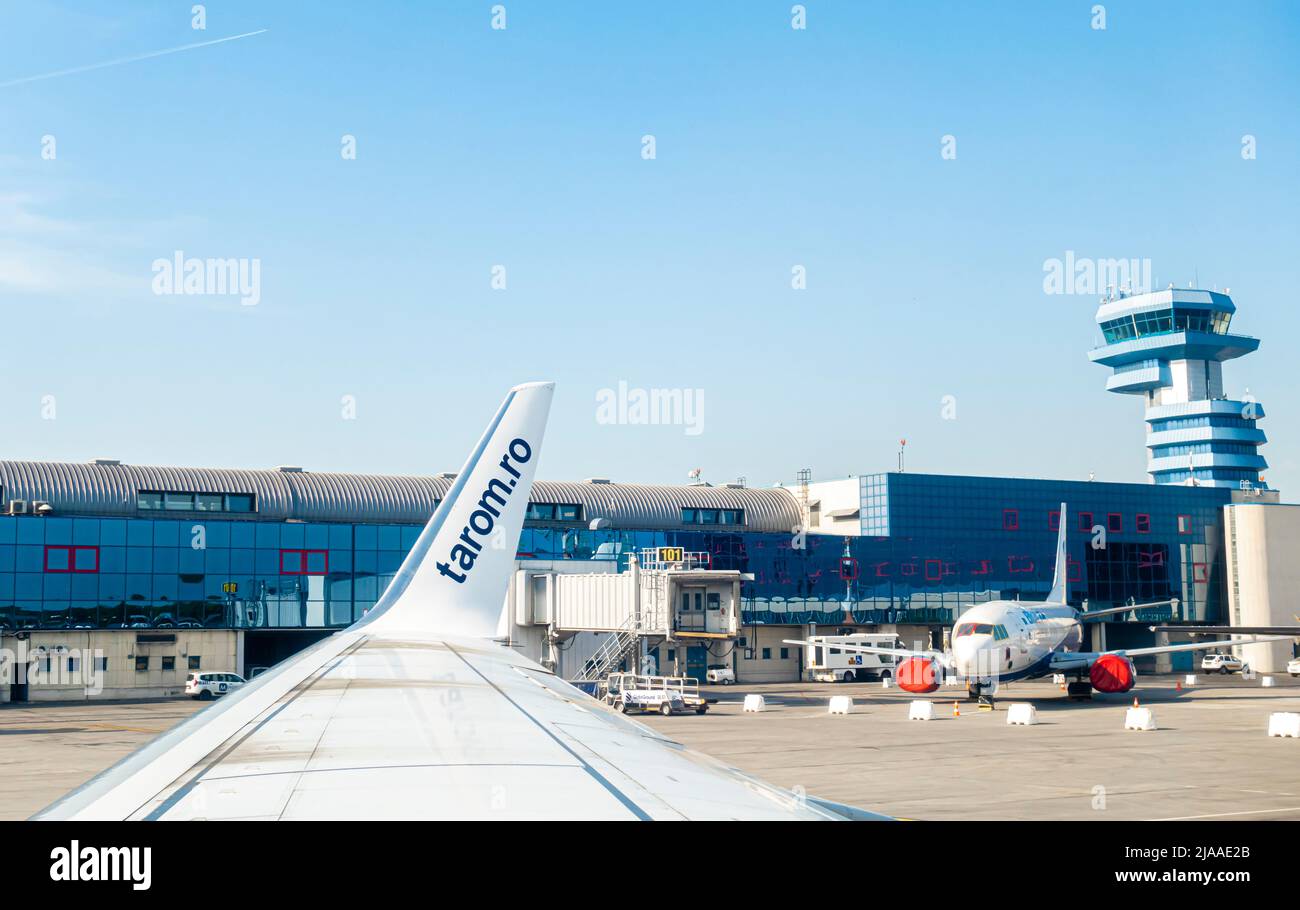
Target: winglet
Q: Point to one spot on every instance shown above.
(1060, 574)
(454, 580)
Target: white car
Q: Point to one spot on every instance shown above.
(720, 674)
(1294, 667)
(207, 686)
(1221, 663)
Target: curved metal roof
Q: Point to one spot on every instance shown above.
(111, 490)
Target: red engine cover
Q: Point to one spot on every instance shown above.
(917, 674)
(1112, 673)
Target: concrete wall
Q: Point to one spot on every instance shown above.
(833, 496)
(750, 664)
(1263, 563)
(214, 649)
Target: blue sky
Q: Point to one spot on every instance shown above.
(774, 148)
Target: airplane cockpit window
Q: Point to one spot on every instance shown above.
(973, 628)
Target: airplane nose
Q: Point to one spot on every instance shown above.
(972, 657)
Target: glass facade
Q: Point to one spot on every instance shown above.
(930, 545)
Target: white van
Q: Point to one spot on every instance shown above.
(207, 686)
(826, 661)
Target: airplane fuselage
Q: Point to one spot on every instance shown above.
(1004, 640)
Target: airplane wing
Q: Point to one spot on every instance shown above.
(1079, 660)
(942, 657)
(1284, 631)
(415, 712)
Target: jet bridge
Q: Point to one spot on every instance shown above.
(595, 622)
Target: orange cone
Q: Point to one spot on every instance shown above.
(1135, 701)
(956, 711)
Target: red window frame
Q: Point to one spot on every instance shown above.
(1054, 520)
(1011, 519)
(1085, 522)
(848, 568)
(1115, 522)
(1142, 523)
(72, 550)
(1184, 524)
(303, 554)
(938, 570)
(1200, 573)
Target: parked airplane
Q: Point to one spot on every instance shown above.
(416, 712)
(1006, 640)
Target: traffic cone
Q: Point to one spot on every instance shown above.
(1135, 701)
(1178, 686)
(956, 711)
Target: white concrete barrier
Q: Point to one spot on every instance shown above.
(1022, 714)
(1058, 679)
(841, 704)
(1284, 723)
(1139, 719)
(1267, 682)
(755, 704)
(1189, 679)
(921, 710)
(884, 683)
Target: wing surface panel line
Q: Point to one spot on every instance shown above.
(614, 791)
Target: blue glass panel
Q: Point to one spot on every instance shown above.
(268, 535)
(409, 536)
(167, 533)
(292, 536)
(166, 560)
(367, 537)
(30, 559)
(340, 537)
(390, 537)
(192, 561)
(242, 534)
(31, 530)
(7, 556)
(139, 532)
(57, 530)
(139, 559)
(112, 532)
(85, 531)
(8, 529)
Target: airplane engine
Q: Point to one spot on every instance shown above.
(919, 674)
(1112, 673)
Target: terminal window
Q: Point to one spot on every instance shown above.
(59, 558)
(304, 562)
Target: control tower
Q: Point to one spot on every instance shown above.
(1169, 347)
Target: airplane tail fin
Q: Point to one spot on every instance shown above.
(1061, 574)
(454, 580)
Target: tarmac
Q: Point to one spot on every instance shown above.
(1210, 759)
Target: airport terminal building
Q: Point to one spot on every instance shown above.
(168, 570)
(174, 569)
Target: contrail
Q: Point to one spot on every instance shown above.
(119, 61)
